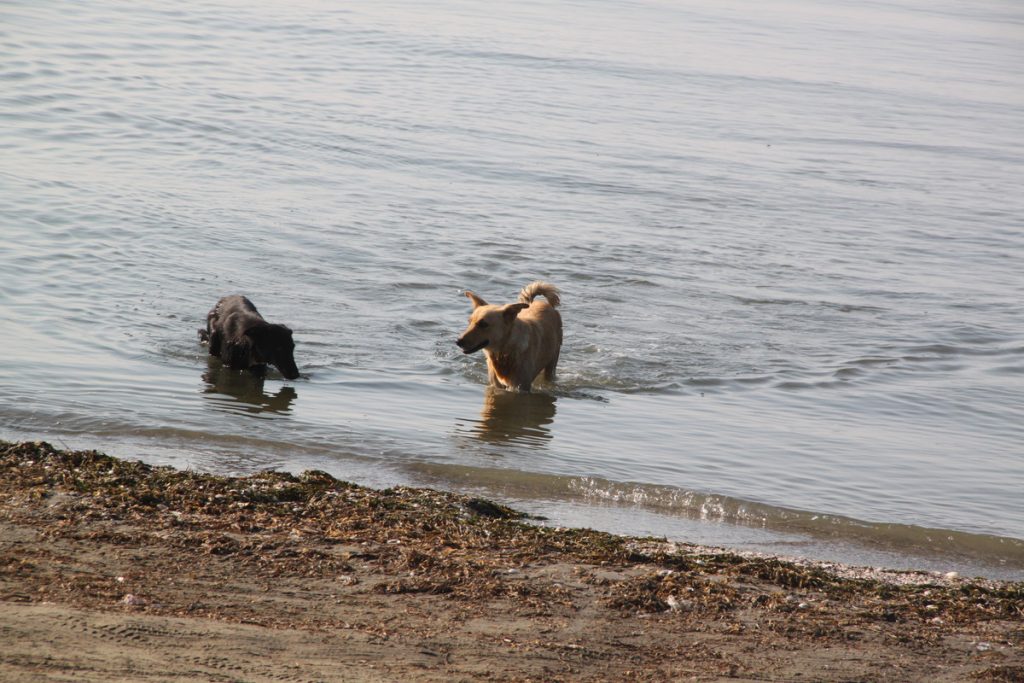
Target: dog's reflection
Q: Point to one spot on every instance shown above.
(509, 416)
(242, 391)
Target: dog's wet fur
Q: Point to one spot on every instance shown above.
(520, 340)
(238, 334)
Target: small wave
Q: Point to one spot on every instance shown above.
(842, 307)
(1007, 370)
(1004, 552)
(872, 361)
(719, 508)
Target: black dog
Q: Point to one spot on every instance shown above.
(243, 339)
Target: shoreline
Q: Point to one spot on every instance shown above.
(113, 569)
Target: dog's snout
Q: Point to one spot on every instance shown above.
(460, 342)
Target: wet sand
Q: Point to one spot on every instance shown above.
(116, 570)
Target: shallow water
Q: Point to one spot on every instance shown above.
(788, 236)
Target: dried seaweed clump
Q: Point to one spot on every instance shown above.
(312, 503)
(673, 591)
(466, 578)
(1000, 674)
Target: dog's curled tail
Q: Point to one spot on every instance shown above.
(548, 290)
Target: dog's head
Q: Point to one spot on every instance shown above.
(488, 325)
(273, 344)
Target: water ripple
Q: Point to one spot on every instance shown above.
(782, 268)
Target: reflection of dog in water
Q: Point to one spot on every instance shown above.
(237, 333)
(246, 389)
(508, 416)
(520, 340)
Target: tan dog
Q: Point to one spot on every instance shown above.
(520, 340)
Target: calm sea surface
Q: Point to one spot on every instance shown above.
(789, 235)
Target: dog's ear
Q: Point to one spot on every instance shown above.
(512, 310)
(261, 336)
(256, 332)
(477, 301)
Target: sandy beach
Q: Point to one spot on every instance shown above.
(118, 571)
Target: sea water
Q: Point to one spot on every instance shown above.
(789, 237)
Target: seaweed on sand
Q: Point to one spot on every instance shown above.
(444, 543)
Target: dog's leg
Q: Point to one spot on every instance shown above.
(229, 355)
(237, 355)
(492, 376)
(549, 369)
(523, 379)
(216, 341)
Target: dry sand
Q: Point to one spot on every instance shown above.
(117, 571)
